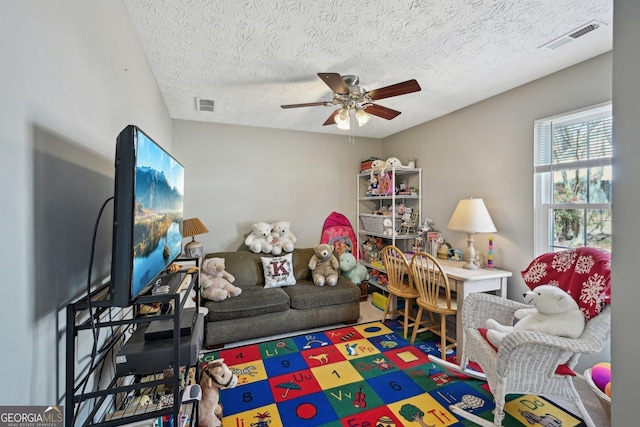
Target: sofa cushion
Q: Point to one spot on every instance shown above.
(307, 295)
(253, 301)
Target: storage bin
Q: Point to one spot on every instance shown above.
(373, 223)
(605, 400)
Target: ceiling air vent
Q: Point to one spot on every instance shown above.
(203, 104)
(572, 35)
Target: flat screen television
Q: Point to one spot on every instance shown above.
(147, 218)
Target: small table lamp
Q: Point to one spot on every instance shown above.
(471, 216)
(192, 227)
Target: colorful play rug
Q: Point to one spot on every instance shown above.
(364, 375)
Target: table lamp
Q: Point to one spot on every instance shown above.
(192, 227)
(471, 216)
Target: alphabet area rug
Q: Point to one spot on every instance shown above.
(359, 376)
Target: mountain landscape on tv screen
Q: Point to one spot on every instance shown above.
(158, 205)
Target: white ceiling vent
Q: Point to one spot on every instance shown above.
(203, 104)
(572, 35)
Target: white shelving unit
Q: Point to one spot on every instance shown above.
(368, 203)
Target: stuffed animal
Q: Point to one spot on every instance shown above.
(388, 229)
(283, 238)
(260, 238)
(554, 312)
(352, 269)
(215, 375)
(324, 266)
(215, 282)
(376, 166)
(392, 162)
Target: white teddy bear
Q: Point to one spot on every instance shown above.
(283, 238)
(376, 166)
(554, 312)
(388, 230)
(260, 238)
(393, 162)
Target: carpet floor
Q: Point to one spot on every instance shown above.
(366, 375)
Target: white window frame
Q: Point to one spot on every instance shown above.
(544, 169)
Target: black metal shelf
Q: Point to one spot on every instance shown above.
(103, 403)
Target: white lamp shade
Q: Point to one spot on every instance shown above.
(471, 216)
(342, 116)
(343, 125)
(363, 117)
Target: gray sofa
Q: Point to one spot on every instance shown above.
(258, 312)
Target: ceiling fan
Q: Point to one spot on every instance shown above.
(356, 101)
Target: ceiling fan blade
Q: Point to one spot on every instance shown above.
(309, 104)
(331, 119)
(380, 111)
(394, 90)
(335, 82)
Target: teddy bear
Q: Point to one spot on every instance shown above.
(352, 269)
(283, 238)
(554, 312)
(388, 229)
(392, 162)
(215, 282)
(376, 166)
(260, 238)
(324, 265)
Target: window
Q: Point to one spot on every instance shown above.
(572, 180)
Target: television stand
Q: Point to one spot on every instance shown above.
(109, 403)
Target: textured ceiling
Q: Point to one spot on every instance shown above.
(251, 56)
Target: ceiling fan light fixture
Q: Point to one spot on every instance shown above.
(363, 117)
(342, 117)
(343, 125)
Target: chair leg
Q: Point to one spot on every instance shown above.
(386, 308)
(443, 336)
(407, 310)
(416, 326)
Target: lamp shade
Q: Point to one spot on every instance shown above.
(192, 227)
(471, 216)
(342, 116)
(363, 117)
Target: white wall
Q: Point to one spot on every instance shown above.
(72, 76)
(486, 150)
(625, 334)
(236, 176)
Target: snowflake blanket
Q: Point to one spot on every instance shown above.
(584, 273)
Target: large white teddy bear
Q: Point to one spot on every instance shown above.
(283, 238)
(554, 312)
(260, 238)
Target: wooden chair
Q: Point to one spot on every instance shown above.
(399, 285)
(434, 296)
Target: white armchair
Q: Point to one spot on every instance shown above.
(527, 362)
(533, 362)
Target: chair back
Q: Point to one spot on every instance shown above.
(396, 267)
(430, 280)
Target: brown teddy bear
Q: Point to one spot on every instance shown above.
(324, 266)
(215, 282)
